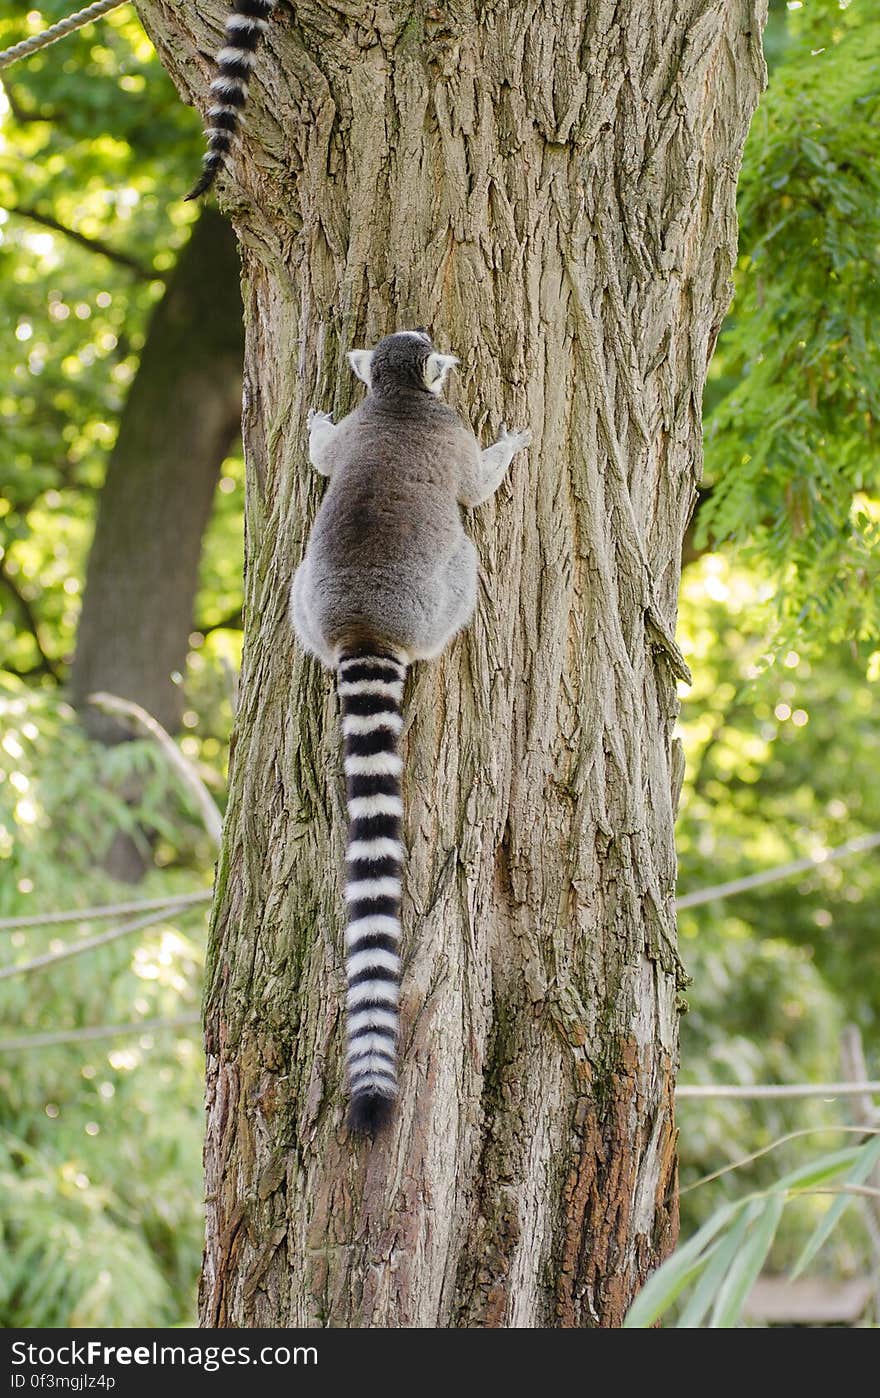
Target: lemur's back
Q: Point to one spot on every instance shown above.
(392, 498)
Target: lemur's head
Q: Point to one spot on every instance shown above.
(405, 360)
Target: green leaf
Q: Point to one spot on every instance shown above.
(825, 1167)
(706, 1290)
(868, 1156)
(677, 1271)
(747, 1265)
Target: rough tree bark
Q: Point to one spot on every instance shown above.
(551, 188)
(181, 417)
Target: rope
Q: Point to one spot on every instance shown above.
(688, 900)
(58, 31)
(87, 944)
(781, 871)
(98, 1031)
(8, 924)
(802, 1089)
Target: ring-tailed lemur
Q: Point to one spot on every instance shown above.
(389, 576)
(245, 28)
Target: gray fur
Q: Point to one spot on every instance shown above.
(388, 561)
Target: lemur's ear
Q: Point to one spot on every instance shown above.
(437, 366)
(360, 362)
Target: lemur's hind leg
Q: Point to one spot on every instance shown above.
(458, 598)
(301, 617)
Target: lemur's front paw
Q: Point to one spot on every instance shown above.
(315, 419)
(516, 441)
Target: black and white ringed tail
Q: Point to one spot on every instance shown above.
(245, 28)
(370, 687)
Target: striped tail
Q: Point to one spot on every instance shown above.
(370, 688)
(245, 28)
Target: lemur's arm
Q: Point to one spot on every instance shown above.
(481, 478)
(321, 434)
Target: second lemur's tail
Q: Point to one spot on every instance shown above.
(370, 687)
(245, 28)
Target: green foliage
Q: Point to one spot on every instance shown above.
(69, 1258)
(791, 452)
(63, 799)
(99, 1141)
(95, 141)
(100, 1155)
(778, 756)
(780, 1024)
(99, 120)
(723, 1260)
(759, 1012)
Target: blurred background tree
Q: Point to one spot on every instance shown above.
(100, 1139)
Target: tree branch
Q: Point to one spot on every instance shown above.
(47, 664)
(186, 771)
(233, 622)
(96, 245)
(21, 114)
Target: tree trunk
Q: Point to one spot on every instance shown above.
(181, 417)
(551, 189)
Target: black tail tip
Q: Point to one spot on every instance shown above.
(369, 1113)
(206, 181)
(198, 190)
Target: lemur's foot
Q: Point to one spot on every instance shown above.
(314, 419)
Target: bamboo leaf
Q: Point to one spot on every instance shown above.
(707, 1287)
(824, 1167)
(677, 1271)
(868, 1156)
(747, 1265)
